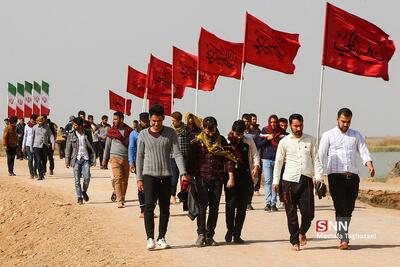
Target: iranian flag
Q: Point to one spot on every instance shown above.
(37, 91)
(20, 100)
(45, 105)
(12, 100)
(28, 100)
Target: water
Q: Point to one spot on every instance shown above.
(383, 163)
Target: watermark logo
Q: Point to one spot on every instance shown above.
(339, 229)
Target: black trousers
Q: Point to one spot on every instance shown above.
(344, 192)
(156, 189)
(61, 149)
(236, 199)
(11, 152)
(41, 158)
(50, 157)
(96, 148)
(20, 155)
(101, 151)
(298, 195)
(209, 195)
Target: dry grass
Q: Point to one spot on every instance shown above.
(383, 144)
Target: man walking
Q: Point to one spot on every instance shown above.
(20, 133)
(10, 143)
(26, 149)
(339, 148)
(116, 150)
(153, 166)
(299, 152)
(80, 155)
(41, 137)
(103, 128)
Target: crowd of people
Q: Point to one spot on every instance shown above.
(193, 153)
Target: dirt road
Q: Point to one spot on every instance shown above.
(41, 225)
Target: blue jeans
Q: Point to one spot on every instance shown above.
(81, 168)
(32, 166)
(268, 169)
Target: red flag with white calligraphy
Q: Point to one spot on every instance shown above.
(269, 48)
(165, 102)
(355, 45)
(159, 77)
(128, 107)
(184, 67)
(136, 82)
(218, 56)
(117, 102)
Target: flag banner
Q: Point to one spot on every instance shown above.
(179, 91)
(12, 100)
(117, 102)
(184, 67)
(136, 82)
(28, 100)
(45, 104)
(165, 102)
(218, 56)
(269, 48)
(37, 98)
(20, 100)
(354, 45)
(128, 107)
(159, 77)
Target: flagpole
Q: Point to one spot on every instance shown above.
(144, 101)
(321, 85)
(240, 92)
(172, 98)
(197, 92)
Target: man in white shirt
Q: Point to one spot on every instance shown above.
(339, 148)
(299, 153)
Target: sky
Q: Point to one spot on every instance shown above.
(83, 48)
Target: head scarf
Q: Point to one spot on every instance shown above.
(276, 133)
(197, 120)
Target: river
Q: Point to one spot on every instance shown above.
(383, 163)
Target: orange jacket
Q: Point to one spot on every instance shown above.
(10, 138)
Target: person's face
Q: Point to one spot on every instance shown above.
(238, 136)
(75, 126)
(253, 120)
(247, 123)
(117, 120)
(297, 128)
(210, 133)
(274, 123)
(343, 123)
(157, 122)
(176, 123)
(42, 122)
(7, 122)
(32, 121)
(105, 121)
(82, 116)
(90, 120)
(144, 123)
(21, 121)
(283, 125)
(134, 124)
(190, 120)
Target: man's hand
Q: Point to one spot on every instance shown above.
(255, 170)
(275, 187)
(23, 150)
(133, 169)
(231, 181)
(371, 169)
(185, 178)
(139, 184)
(270, 137)
(67, 165)
(31, 149)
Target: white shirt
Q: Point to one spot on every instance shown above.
(300, 157)
(340, 149)
(27, 136)
(82, 148)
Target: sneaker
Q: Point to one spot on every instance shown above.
(162, 243)
(150, 244)
(210, 242)
(267, 207)
(238, 240)
(85, 196)
(80, 201)
(250, 207)
(280, 205)
(200, 241)
(274, 208)
(113, 197)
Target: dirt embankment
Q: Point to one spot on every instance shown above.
(381, 194)
(38, 228)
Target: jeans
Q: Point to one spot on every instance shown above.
(268, 169)
(81, 168)
(11, 152)
(40, 157)
(32, 166)
(156, 188)
(50, 157)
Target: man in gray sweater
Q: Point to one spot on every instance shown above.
(153, 167)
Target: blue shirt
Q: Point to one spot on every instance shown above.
(132, 147)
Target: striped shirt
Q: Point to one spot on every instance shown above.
(340, 149)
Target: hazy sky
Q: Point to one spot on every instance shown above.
(83, 48)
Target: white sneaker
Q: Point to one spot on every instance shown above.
(150, 244)
(162, 243)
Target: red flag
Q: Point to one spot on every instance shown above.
(269, 48)
(184, 66)
(117, 102)
(164, 102)
(159, 77)
(355, 45)
(179, 91)
(136, 82)
(218, 56)
(128, 107)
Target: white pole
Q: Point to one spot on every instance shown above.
(321, 85)
(240, 92)
(144, 101)
(197, 92)
(172, 98)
